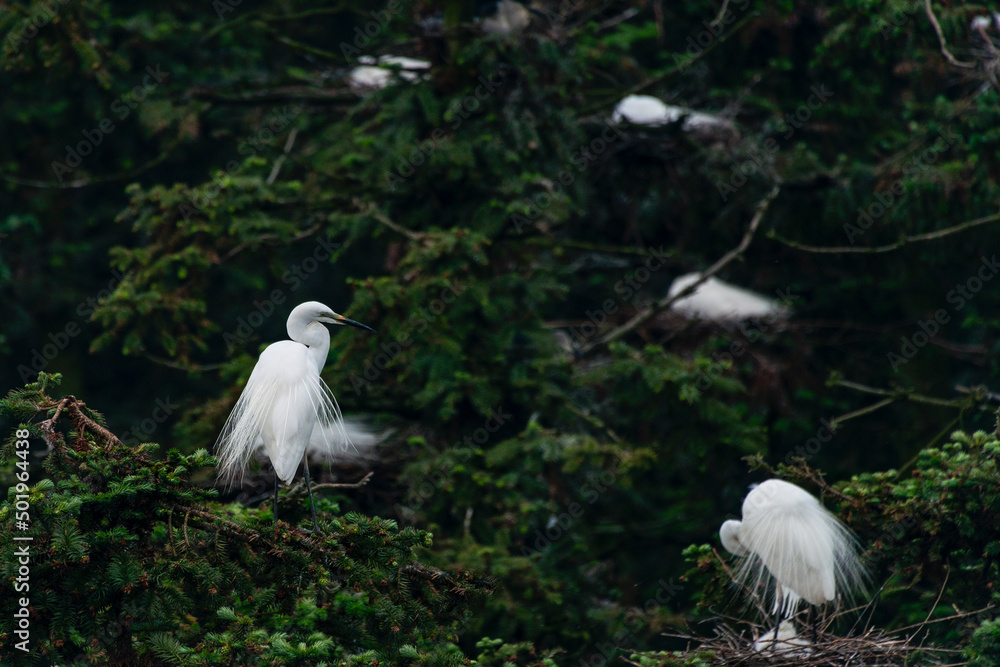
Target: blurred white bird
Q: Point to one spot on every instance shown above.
(374, 74)
(787, 539)
(511, 18)
(285, 401)
(785, 641)
(651, 111)
(721, 302)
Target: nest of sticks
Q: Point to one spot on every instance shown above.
(738, 643)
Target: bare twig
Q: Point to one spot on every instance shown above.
(281, 158)
(916, 238)
(87, 182)
(354, 485)
(372, 211)
(664, 303)
(80, 421)
(304, 94)
(722, 13)
(981, 392)
(940, 35)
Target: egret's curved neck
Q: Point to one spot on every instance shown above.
(314, 336)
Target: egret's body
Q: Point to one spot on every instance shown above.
(719, 301)
(374, 74)
(511, 18)
(286, 401)
(652, 112)
(787, 536)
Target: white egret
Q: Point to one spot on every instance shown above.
(375, 74)
(511, 18)
(652, 112)
(285, 401)
(788, 537)
(721, 302)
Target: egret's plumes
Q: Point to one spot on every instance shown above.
(286, 404)
(787, 537)
(355, 444)
(284, 400)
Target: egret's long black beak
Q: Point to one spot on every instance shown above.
(344, 320)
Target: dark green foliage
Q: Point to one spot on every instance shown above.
(984, 650)
(498, 231)
(133, 564)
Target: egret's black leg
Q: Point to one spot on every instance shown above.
(275, 498)
(813, 621)
(781, 608)
(305, 464)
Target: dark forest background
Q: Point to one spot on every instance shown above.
(174, 179)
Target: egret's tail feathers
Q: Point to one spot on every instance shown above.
(356, 445)
(267, 408)
(800, 551)
(242, 430)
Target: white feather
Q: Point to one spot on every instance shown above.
(793, 547)
(328, 444)
(721, 302)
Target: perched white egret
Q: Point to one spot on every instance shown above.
(721, 302)
(788, 537)
(651, 111)
(285, 401)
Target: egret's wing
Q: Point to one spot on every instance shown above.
(804, 548)
(244, 426)
(284, 401)
(305, 405)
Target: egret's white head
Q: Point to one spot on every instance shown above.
(314, 311)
